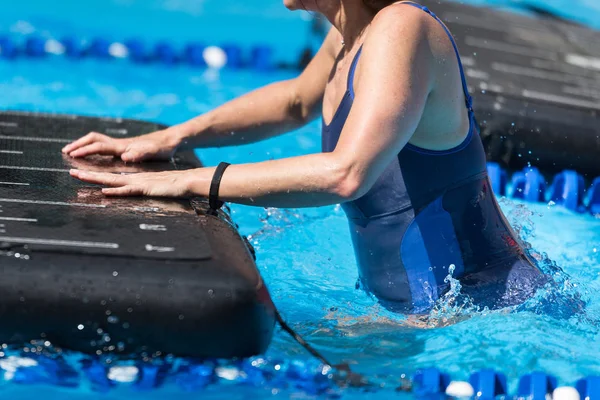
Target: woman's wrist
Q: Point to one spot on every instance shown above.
(197, 181)
(187, 133)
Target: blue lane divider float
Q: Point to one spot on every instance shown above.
(310, 377)
(430, 381)
(536, 386)
(498, 177)
(567, 189)
(197, 54)
(529, 185)
(8, 49)
(488, 384)
(594, 197)
(589, 388)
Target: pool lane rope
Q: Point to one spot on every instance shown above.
(567, 189)
(260, 57)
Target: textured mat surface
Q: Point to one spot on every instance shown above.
(128, 275)
(536, 86)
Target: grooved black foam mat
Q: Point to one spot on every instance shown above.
(42, 206)
(536, 85)
(118, 275)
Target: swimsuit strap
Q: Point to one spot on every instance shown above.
(351, 72)
(468, 98)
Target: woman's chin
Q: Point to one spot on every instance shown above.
(292, 5)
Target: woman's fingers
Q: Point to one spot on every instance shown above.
(160, 184)
(130, 150)
(100, 178)
(84, 141)
(134, 155)
(128, 190)
(96, 148)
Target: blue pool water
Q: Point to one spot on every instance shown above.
(305, 255)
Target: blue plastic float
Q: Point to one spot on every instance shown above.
(529, 185)
(309, 376)
(8, 49)
(260, 57)
(488, 384)
(536, 386)
(567, 188)
(136, 50)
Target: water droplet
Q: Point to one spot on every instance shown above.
(113, 319)
(115, 273)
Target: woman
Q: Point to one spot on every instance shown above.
(401, 153)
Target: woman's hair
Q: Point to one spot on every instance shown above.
(377, 5)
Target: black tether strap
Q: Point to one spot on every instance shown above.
(213, 195)
(349, 378)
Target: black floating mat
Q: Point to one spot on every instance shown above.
(43, 207)
(536, 85)
(117, 275)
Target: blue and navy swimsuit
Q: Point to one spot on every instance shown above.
(431, 210)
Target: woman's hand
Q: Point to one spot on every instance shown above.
(159, 145)
(156, 184)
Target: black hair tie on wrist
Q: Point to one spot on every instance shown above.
(213, 195)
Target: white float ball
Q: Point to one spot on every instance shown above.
(460, 389)
(565, 393)
(54, 47)
(123, 374)
(214, 57)
(118, 50)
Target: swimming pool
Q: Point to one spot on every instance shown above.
(305, 255)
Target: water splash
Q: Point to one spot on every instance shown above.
(453, 306)
(561, 297)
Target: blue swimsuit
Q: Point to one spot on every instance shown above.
(430, 210)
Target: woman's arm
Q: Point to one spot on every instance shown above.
(394, 80)
(271, 110)
(266, 112)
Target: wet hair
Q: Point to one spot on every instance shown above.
(377, 5)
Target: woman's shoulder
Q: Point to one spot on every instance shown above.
(399, 24)
(401, 17)
(404, 28)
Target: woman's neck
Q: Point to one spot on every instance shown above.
(350, 18)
